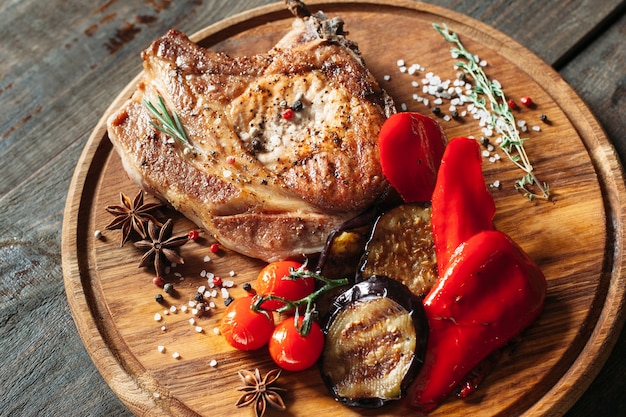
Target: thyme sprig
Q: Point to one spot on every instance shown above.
(489, 93)
(169, 123)
(309, 301)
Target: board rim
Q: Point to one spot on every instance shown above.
(78, 263)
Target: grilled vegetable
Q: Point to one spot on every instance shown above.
(375, 340)
(401, 247)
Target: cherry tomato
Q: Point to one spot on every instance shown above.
(244, 328)
(274, 280)
(293, 352)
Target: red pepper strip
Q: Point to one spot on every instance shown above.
(461, 205)
(490, 292)
(411, 146)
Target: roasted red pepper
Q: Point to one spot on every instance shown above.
(411, 146)
(490, 292)
(461, 204)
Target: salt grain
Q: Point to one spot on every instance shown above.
(173, 309)
(176, 355)
(216, 330)
(183, 309)
(213, 363)
(161, 349)
(400, 63)
(97, 234)
(198, 329)
(192, 321)
(163, 328)
(536, 128)
(225, 293)
(207, 258)
(157, 317)
(387, 77)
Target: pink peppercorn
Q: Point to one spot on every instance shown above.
(526, 101)
(512, 105)
(193, 234)
(288, 114)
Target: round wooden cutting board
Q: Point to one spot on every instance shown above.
(577, 238)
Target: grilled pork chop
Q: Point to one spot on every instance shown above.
(282, 145)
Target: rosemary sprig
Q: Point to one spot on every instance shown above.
(500, 117)
(169, 123)
(309, 301)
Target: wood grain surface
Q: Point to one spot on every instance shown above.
(62, 62)
(576, 239)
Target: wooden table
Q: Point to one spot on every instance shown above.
(63, 62)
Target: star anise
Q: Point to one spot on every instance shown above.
(132, 215)
(161, 246)
(259, 391)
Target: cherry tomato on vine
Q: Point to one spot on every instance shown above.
(290, 350)
(244, 328)
(274, 280)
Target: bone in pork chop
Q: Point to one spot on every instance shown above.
(267, 185)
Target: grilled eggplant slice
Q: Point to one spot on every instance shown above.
(401, 247)
(376, 334)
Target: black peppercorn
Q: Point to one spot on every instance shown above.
(437, 111)
(297, 105)
(168, 288)
(484, 141)
(198, 297)
(228, 300)
(247, 287)
(544, 118)
(159, 298)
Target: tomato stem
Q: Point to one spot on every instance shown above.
(303, 327)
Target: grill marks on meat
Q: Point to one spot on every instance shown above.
(293, 180)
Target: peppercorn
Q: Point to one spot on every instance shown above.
(287, 114)
(159, 298)
(526, 101)
(484, 141)
(193, 234)
(158, 281)
(168, 288)
(512, 105)
(436, 111)
(297, 106)
(198, 297)
(214, 248)
(247, 287)
(454, 114)
(228, 300)
(544, 118)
